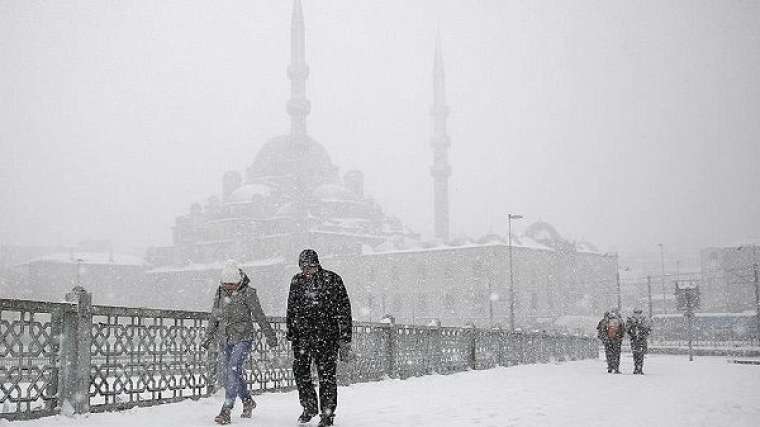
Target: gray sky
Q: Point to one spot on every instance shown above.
(622, 123)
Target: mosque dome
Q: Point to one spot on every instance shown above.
(333, 192)
(299, 156)
(249, 191)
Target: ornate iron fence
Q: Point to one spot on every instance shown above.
(142, 356)
(75, 357)
(31, 334)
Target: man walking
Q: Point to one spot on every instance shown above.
(611, 330)
(638, 332)
(319, 327)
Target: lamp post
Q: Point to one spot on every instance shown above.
(756, 282)
(617, 278)
(662, 278)
(649, 295)
(510, 217)
(79, 262)
(490, 304)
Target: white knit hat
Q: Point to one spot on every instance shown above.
(231, 272)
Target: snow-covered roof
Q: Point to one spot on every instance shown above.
(410, 245)
(217, 265)
(90, 258)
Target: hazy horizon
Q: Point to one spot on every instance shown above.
(623, 124)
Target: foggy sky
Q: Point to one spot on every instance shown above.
(622, 123)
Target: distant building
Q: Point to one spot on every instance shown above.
(48, 272)
(728, 278)
(114, 279)
(292, 197)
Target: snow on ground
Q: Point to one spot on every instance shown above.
(674, 392)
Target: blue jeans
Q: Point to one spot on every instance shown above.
(234, 385)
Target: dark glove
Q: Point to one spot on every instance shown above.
(344, 352)
(272, 341)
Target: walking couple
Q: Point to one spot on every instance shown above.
(318, 327)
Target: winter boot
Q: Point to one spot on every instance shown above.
(325, 420)
(224, 416)
(248, 407)
(306, 416)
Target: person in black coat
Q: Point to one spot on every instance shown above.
(319, 327)
(638, 329)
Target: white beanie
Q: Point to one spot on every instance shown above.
(231, 272)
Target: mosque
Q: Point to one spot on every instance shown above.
(292, 196)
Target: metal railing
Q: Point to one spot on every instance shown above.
(707, 342)
(76, 357)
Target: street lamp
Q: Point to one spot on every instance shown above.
(79, 262)
(662, 278)
(510, 217)
(617, 279)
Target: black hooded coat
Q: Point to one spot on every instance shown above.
(319, 311)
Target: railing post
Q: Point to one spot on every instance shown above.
(391, 368)
(500, 356)
(436, 352)
(75, 353)
(519, 346)
(472, 331)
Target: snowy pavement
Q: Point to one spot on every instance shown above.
(674, 392)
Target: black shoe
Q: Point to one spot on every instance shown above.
(325, 420)
(609, 370)
(306, 416)
(248, 407)
(224, 416)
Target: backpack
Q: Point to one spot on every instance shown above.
(613, 328)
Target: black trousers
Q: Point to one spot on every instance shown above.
(638, 361)
(325, 356)
(612, 354)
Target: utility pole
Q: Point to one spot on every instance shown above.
(510, 217)
(79, 262)
(662, 278)
(757, 301)
(490, 304)
(690, 319)
(649, 294)
(619, 302)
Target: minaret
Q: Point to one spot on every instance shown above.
(440, 143)
(298, 72)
